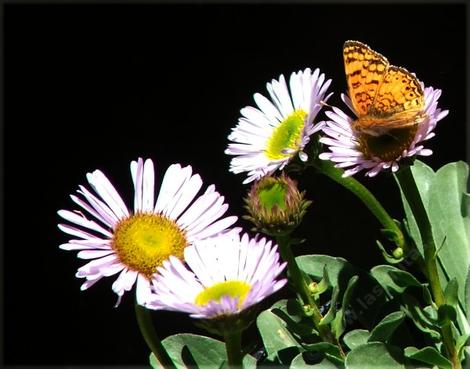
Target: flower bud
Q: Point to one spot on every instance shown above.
(275, 205)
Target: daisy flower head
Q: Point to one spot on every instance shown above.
(226, 275)
(135, 242)
(355, 151)
(266, 138)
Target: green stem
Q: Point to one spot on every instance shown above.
(410, 190)
(147, 330)
(233, 347)
(327, 167)
(301, 286)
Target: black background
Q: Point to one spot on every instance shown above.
(96, 86)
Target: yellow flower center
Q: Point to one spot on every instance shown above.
(233, 289)
(389, 146)
(143, 241)
(287, 135)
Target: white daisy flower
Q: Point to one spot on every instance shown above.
(357, 152)
(268, 137)
(134, 243)
(227, 275)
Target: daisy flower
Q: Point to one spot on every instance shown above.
(134, 243)
(355, 151)
(227, 275)
(268, 137)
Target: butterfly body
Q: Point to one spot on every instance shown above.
(383, 96)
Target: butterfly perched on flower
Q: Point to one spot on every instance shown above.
(383, 96)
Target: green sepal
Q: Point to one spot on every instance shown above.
(385, 328)
(428, 355)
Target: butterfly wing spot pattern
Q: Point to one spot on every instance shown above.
(383, 96)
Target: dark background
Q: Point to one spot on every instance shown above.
(97, 86)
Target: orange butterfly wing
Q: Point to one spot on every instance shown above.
(383, 96)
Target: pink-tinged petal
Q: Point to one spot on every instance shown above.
(73, 231)
(174, 178)
(143, 290)
(93, 254)
(107, 220)
(104, 211)
(185, 196)
(148, 194)
(137, 174)
(108, 193)
(79, 219)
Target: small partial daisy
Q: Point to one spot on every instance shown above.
(268, 137)
(134, 243)
(360, 151)
(227, 275)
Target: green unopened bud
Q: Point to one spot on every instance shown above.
(398, 253)
(275, 205)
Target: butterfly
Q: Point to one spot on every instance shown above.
(383, 96)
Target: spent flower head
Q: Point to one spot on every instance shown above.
(134, 243)
(268, 137)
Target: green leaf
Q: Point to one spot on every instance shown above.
(428, 355)
(451, 293)
(324, 283)
(303, 361)
(339, 323)
(450, 218)
(425, 319)
(424, 176)
(194, 351)
(292, 313)
(448, 207)
(339, 270)
(274, 333)
(446, 314)
(375, 355)
(331, 351)
(386, 327)
(331, 314)
(356, 338)
(394, 280)
(460, 344)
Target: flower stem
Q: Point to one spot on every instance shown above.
(410, 190)
(147, 330)
(326, 167)
(301, 286)
(233, 347)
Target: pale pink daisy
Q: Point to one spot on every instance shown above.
(134, 243)
(359, 151)
(226, 275)
(268, 137)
